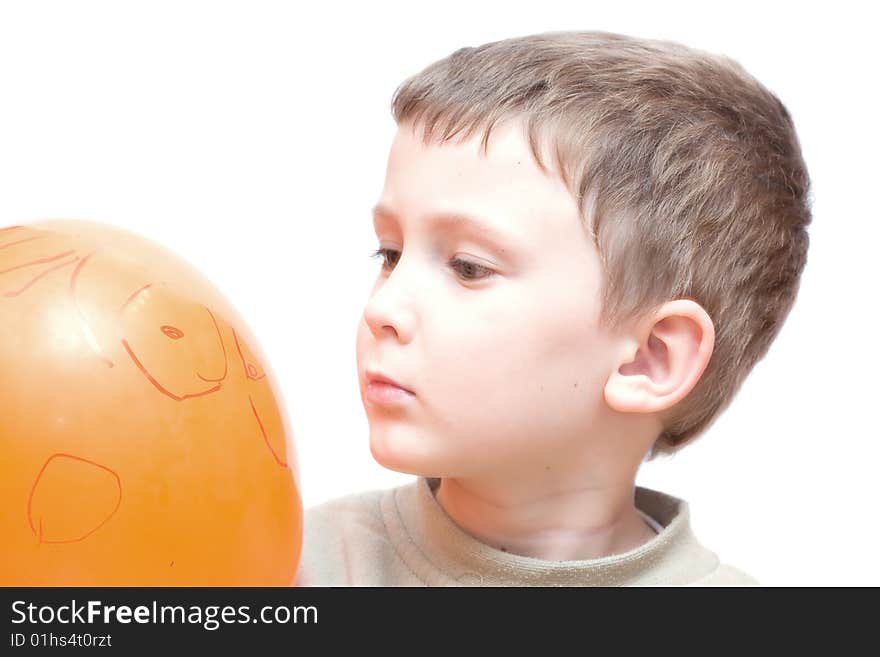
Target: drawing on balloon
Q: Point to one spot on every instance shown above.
(157, 349)
(65, 477)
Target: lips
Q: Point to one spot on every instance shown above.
(378, 377)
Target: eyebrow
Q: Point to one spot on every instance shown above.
(457, 220)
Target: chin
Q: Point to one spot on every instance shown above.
(387, 457)
(393, 455)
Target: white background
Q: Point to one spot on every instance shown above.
(251, 137)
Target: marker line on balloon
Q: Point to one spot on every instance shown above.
(149, 376)
(39, 533)
(283, 464)
(247, 366)
(26, 239)
(39, 276)
(222, 346)
(37, 262)
(158, 385)
(131, 298)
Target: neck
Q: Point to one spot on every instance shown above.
(547, 520)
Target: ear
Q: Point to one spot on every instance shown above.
(662, 362)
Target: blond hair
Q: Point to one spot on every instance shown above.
(687, 172)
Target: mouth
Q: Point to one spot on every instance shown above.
(374, 377)
(385, 391)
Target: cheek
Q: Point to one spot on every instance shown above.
(520, 368)
(478, 373)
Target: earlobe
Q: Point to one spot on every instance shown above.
(670, 356)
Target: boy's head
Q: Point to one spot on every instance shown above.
(643, 210)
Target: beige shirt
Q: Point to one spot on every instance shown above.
(402, 537)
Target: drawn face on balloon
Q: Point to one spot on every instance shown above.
(148, 389)
(175, 342)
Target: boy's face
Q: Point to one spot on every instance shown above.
(493, 327)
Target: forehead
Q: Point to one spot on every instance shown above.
(503, 188)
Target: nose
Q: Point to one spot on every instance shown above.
(390, 310)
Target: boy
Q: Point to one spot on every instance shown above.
(587, 242)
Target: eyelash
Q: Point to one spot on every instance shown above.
(484, 272)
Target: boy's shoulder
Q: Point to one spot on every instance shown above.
(672, 509)
(340, 536)
(332, 520)
(726, 575)
(361, 505)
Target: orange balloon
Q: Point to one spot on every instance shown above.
(143, 441)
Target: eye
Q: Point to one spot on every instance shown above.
(172, 332)
(389, 257)
(470, 271)
(465, 269)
